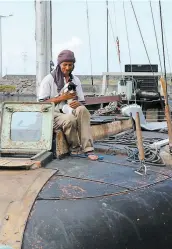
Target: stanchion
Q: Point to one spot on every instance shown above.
(143, 169)
(167, 113)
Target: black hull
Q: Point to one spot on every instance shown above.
(100, 205)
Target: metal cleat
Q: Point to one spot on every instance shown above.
(142, 170)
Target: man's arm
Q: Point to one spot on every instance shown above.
(59, 99)
(45, 92)
(55, 100)
(44, 89)
(62, 97)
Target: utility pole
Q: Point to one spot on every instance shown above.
(43, 36)
(1, 43)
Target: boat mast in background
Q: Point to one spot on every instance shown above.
(107, 36)
(43, 37)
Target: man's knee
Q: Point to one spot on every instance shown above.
(82, 109)
(70, 120)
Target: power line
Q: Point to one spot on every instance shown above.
(114, 8)
(143, 43)
(129, 50)
(156, 36)
(116, 41)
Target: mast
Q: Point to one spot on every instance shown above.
(107, 49)
(0, 50)
(43, 36)
(107, 30)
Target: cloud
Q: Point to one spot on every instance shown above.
(73, 44)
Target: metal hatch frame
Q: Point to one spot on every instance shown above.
(37, 150)
(45, 143)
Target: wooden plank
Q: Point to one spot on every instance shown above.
(19, 163)
(17, 199)
(13, 162)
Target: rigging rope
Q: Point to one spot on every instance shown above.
(115, 40)
(143, 43)
(156, 37)
(152, 156)
(89, 36)
(114, 8)
(113, 34)
(167, 51)
(162, 36)
(129, 50)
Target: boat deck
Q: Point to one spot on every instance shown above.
(102, 204)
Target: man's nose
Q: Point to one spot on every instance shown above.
(67, 67)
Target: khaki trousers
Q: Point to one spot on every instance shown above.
(76, 128)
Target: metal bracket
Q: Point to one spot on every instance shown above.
(142, 170)
(46, 109)
(9, 109)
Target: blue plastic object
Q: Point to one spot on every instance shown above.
(5, 247)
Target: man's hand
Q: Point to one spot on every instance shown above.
(67, 96)
(74, 104)
(62, 97)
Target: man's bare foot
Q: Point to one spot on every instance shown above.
(89, 155)
(92, 156)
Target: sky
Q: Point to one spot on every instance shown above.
(69, 30)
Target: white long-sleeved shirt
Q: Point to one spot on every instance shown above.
(48, 89)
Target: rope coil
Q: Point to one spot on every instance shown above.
(152, 157)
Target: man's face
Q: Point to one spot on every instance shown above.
(66, 67)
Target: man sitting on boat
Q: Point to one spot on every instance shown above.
(76, 126)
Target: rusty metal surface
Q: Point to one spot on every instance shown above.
(99, 131)
(61, 187)
(129, 221)
(116, 171)
(46, 111)
(101, 205)
(102, 99)
(18, 190)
